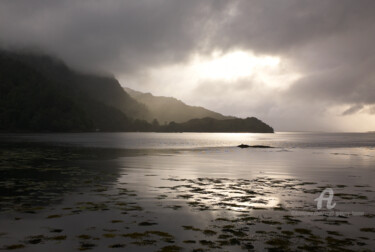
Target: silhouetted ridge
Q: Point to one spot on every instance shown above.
(41, 93)
(168, 109)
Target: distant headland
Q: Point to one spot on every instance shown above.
(39, 93)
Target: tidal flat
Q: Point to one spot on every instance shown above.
(72, 198)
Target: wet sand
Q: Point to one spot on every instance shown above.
(56, 198)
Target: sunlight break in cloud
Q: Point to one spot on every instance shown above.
(233, 65)
(224, 71)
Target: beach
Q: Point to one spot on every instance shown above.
(186, 192)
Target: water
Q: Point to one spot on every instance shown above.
(199, 140)
(168, 192)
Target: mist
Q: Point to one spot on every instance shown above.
(324, 80)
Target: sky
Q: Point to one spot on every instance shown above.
(298, 65)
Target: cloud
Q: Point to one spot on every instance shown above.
(111, 35)
(353, 109)
(328, 44)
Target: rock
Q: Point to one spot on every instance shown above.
(253, 146)
(243, 146)
(260, 146)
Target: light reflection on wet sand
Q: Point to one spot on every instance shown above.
(211, 199)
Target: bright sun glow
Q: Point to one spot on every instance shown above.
(262, 72)
(233, 65)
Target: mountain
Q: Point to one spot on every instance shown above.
(250, 124)
(41, 93)
(168, 109)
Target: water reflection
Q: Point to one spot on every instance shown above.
(199, 140)
(34, 176)
(68, 198)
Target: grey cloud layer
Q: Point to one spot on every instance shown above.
(113, 35)
(330, 41)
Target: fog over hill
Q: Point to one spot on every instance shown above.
(41, 93)
(168, 109)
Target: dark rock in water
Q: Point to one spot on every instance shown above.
(260, 146)
(243, 146)
(253, 146)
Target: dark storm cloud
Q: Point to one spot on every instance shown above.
(330, 42)
(113, 35)
(281, 26)
(353, 109)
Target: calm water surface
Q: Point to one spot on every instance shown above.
(196, 140)
(186, 192)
